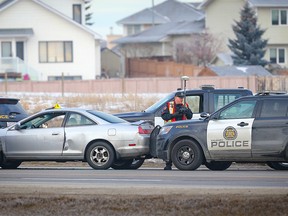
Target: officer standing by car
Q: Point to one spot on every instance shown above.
(175, 111)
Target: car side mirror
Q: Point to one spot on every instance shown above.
(204, 115)
(17, 126)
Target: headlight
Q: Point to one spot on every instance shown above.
(165, 130)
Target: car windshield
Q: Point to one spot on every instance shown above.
(159, 103)
(107, 117)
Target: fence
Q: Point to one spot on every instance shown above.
(153, 68)
(144, 85)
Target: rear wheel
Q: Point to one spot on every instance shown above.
(128, 164)
(122, 164)
(218, 165)
(11, 164)
(278, 165)
(100, 155)
(137, 163)
(187, 155)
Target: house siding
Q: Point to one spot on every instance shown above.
(48, 26)
(220, 16)
(276, 34)
(65, 7)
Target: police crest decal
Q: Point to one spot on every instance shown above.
(230, 133)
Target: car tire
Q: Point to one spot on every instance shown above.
(100, 155)
(128, 164)
(10, 164)
(122, 164)
(187, 155)
(278, 165)
(218, 165)
(137, 163)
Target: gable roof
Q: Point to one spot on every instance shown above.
(248, 70)
(9, 3)
(162, 32)
(269, 3)
(167, 11)
(143, 17)
(255, 3)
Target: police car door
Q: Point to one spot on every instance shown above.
(229, 132)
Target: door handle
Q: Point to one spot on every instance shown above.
(242, 124)
(55, 133)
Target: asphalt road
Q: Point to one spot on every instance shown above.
(64, 179)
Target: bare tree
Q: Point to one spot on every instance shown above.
(198, 49)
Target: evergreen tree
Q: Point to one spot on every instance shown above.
(88, 15)
(248, 47)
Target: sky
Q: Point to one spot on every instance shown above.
(107, 12)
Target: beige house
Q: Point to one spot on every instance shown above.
(271, 14)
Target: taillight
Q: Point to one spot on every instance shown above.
(142, 130)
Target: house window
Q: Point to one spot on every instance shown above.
(279, 17)
(77, 16)
(6, 49)
(277, 55)
(133, 29)
(55, 51)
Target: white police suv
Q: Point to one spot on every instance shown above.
(250, 129)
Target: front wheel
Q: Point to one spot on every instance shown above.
(100, 155)
(187, 155)
(218, 165)
(278, 165)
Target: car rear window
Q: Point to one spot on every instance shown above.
(8, 106)
(107, 117)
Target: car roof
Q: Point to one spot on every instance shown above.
(8, 98)
(208, 88)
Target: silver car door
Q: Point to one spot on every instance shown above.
(41, 136)
(35, 142)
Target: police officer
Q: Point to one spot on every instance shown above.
(174, 111)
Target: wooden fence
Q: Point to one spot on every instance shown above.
(144, 85)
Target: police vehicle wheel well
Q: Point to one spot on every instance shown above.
(186, 138)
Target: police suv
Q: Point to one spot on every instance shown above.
(249, 129)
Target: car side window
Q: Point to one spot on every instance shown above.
(47, 120)
(242, 109)
(221, 100)
(195, 103)
(76, 119)
(274, 108)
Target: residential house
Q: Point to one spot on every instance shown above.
(272, 16)
(165, 12)
(174, 23)
(213, 16)
(46, 39)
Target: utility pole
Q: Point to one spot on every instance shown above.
(153, 21)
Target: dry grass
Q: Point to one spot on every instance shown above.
(110, 103)
(174, 204)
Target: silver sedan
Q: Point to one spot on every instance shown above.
(72, 134)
